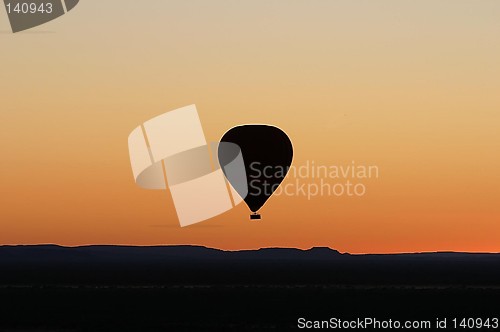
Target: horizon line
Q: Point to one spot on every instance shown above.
(244, 249)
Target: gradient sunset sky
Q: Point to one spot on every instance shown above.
(410, 86)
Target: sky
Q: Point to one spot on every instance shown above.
(409, 86)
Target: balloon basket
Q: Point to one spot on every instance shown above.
(255, 216)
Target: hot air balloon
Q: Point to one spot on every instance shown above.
(267, 154)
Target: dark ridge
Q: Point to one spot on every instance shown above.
(194, 288)
(108, 264)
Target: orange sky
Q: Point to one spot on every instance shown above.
(412, 87)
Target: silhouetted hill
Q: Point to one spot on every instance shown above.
(189, 288)
(53, 264)
(153, 254)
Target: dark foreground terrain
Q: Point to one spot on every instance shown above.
(106, 288)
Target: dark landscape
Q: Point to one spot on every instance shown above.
(188, 288)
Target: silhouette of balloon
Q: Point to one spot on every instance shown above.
(267, 154)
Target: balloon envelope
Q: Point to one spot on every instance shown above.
(267, 154)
